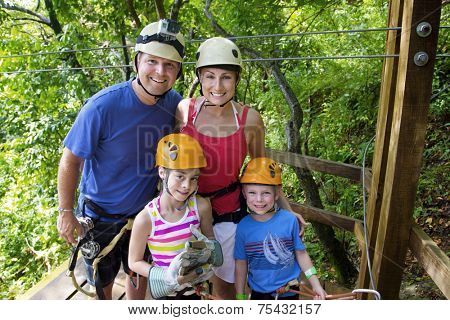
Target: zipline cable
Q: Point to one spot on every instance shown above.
(200, 40)
(245, 60)
(308, 33)
(372, 283)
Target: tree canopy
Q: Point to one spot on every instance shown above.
(55, 54)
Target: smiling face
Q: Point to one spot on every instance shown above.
(181, 183)
(157, 74)
(218, 85)
(260, 198)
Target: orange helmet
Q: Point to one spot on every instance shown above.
(179, 151)
(262, 171)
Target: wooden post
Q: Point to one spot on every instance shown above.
(406, 142)
(383, 133)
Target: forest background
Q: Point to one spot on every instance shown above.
(333, 115)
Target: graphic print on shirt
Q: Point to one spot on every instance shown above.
(276, 252)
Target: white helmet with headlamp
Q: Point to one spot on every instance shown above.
(162, 39)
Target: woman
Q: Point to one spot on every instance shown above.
(227, 132)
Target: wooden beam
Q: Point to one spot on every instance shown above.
(325, 217)
(406, 143)
(431, 258)
(383, 133)
(339, 169)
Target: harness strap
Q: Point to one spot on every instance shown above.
(95, 208)
(98, 285)
(71, 269)
(221, 192)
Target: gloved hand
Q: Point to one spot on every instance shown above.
(204, 250)
(163, 282)
(192, 259)
(207, 272)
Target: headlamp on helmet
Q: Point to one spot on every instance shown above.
(168, 28)
(162, 39)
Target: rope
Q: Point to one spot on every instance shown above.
(309, 293)
(202, 292)
(42, 53)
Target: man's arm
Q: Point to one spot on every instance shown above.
(68, 173)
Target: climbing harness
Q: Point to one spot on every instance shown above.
(202, 290)
(305, 291)
(91, 249)
(99, 256)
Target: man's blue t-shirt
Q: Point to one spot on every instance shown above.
(269, 248)
(117, 135)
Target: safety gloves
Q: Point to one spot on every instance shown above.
(163, 282)
(189, 268)
(201, 251)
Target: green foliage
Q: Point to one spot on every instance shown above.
(339, 99)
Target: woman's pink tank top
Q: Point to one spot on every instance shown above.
(224, 156)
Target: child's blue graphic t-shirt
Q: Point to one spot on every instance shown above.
(269, 248)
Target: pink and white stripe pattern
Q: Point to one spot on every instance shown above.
(167, 239)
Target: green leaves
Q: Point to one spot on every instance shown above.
(339, 99)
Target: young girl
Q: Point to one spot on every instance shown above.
(268, 248)
(165, 224)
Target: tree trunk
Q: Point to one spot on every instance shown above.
(133, 13)
(335, 250)
(159, 4)
(127, 70)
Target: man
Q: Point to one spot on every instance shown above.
(113, 143)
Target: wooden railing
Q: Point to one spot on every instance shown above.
(430, 257)
(435, 262)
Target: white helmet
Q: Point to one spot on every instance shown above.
(162, 39)
(218, 51)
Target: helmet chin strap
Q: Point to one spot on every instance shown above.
(155, 96)
(274, 209)
(166, 188)
(206, 103)
(221, 105)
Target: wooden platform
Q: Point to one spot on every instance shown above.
(58, 286)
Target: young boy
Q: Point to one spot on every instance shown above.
(268, 248)
(171, 220)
